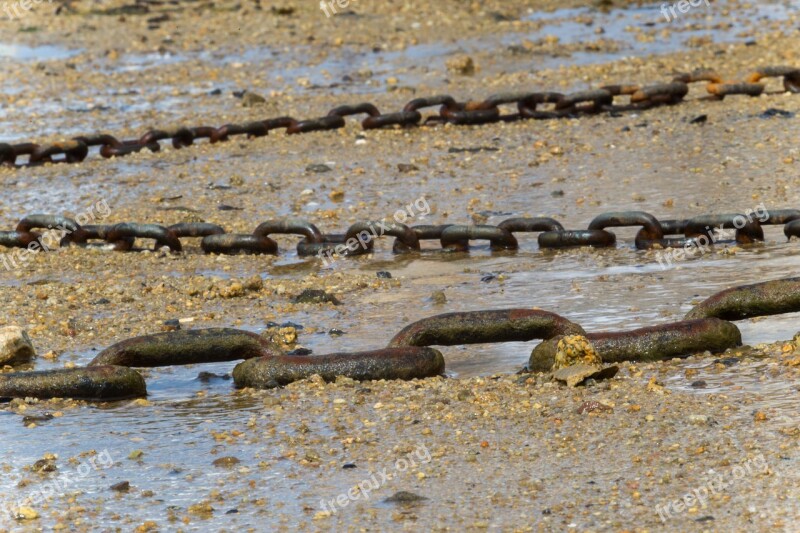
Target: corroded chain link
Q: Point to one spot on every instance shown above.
(529, 105)
(699, 232)
(409, 355)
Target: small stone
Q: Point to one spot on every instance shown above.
(760, 417)
(337, 195)
(575, 350)
(404, 497)
(252, 99)
(25, 513)
(463, 65)
(700, 420)
(122, 486)
(315, 296)
(226, 462)
(15, 346)
(406, 167)
(438, 297)
(384, 274)
(318, 168)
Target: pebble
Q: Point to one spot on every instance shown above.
(15, 345)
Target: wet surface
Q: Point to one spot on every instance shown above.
(650, 160)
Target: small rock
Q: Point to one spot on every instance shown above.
(315, 296)
(438, 297)
(575, 350)
(122, 486)
(334, 332)
(15, 346)
(252, 99)
(348, 465)
(699, 420)
(404, 497)
(226, 462)
(406, 167)
(591, 406)
(25, 513)
(172, 325)
(205, 377)
(699, 384)
(384, 274)
(318, 168)
(577, 375)
(463, 65)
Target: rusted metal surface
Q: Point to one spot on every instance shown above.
(104, 383)
(185, 348)
(654, 343)
(748, 301)
(475, 327)
(389, 363)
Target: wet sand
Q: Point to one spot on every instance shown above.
(506, 452)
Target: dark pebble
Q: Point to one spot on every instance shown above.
(301, 351)
(404, 167)
(773, 112)
(727, 361)
(384, 274)
(699, 384)
(333, 332)
(404, 497)
(122, 486)
(699, 119)
(318, 168)
(315, 296)
(348, 465)
(208, 376)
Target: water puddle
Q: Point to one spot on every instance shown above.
(21, 52)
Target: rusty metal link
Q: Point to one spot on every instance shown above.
(330, 122)
(72, 230)
(777, 217)
(721, 90)
(597, 100)
(530, 225)
(528, 106)
(195, 229)
(251, 129)
(792, 229)
(457, 238)
(748, 232)
(698, 75)
(791, 76)
(162, 235)
(7, 154)
(328, 245)
(100, 232)
(73, 152)
(292, 226)
(17, 239)
(127, 147)
(233, 243)
(180, 136)
(406, 239)
(668, 227)
(571, 238)
(660, 94)
(651, 229)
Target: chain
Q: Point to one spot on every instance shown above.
(408, 354)
(529, 105)
(358, 239)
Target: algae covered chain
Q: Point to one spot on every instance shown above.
(110, 376)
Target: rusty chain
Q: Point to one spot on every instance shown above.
(359, 238)
(109, 376)
(529, 105)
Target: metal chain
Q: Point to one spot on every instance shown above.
(359, 238)
(408, 354)
(529, 105)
